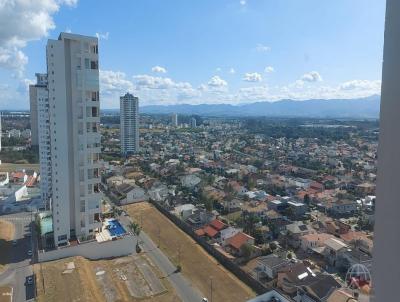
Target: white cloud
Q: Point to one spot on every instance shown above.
(243, 2)
(159, 69)
(218, 69)
(262, 48)
(232, 70)
(103, 36)
(346, 90)
(21, 22)
(269, 69)
(361, 85)
(312, 76)
(14, 59)
(72, 3)
(149, 82)
(252, 77)
(217, 82)
(163, 90)
(115, 82)
(255, 93)
(24, 85)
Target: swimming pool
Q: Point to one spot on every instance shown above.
(115, 228)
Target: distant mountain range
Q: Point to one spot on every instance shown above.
(334, 108)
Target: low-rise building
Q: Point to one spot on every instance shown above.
(268, 266)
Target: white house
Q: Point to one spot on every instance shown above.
(158, 192)
(184, 210)
(136, 194)
(227, 233)
(313, 241)
(269, 265)
(4, 179)
(190, 181)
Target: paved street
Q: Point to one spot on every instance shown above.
(182, 286)
(20, 267)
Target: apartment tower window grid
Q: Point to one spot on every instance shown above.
(74, 110)
(129, 124)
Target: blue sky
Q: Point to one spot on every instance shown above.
(209, 51)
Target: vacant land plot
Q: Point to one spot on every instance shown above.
(197, 265)
(7, 230)
(7, 167)
(121, 279)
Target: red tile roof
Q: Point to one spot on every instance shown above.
(18, 175)
(30, 182)
(352, 236)
(316, 186)
(218, 224)
(239, 239)
(210, 231)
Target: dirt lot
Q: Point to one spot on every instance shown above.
(197, 265)
(6, 235)
(121, 279)
(6, 167)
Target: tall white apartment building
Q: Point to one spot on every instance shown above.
(1, 134)
(129, 124)
(174, 120)
(73, 86)
(193, 122)
(35, 92)
(40, 124)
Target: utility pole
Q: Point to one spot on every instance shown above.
(211, 289)
(159, 236)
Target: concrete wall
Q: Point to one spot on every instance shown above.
(93, 250)
(20, 193)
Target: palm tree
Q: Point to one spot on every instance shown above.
(136, 229)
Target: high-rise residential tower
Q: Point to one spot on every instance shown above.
(73, 90)
(39, 99)
(1, 133)
(193, 122)
(174, 120)
(35, 92)
(129, 124)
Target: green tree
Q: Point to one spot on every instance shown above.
(273, 246)
(136, 229)
(208, 204)
(246, 250)
(306, 199)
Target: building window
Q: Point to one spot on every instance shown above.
(62, 237)
(94, 65)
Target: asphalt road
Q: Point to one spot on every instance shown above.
(20, 267)
(183, 287)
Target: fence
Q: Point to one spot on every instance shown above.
(92, 250)
(227, 263)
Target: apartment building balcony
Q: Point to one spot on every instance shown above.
(95, 221)
(94, 149)
(94, 211)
